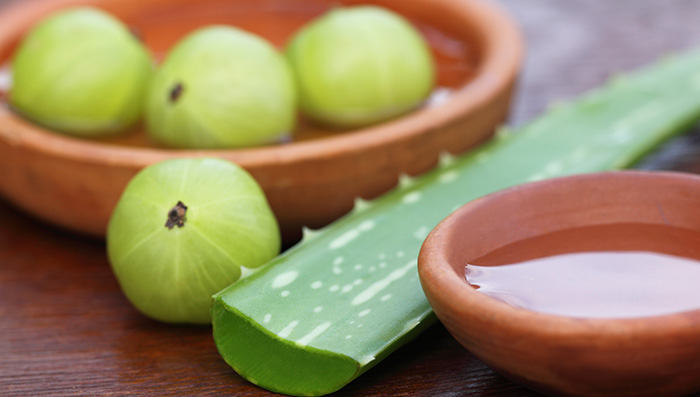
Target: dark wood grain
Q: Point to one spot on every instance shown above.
(66, 329)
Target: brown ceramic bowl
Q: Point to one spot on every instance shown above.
(310, 181)
(643, 356)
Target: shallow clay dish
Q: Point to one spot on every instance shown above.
(310, 181)
(644, 356)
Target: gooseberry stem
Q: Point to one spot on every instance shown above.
(175, 92)
(176, 216)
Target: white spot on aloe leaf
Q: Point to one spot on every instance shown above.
(284, 279)
(351, 234)
(267, 318)
(640, 115)
(343, 239)
(337, 261)
(366, 225)
(306, 339)
(358, 267)
(334, 287)
(385, 298)
(316, 285)
(537, 177)
(285, 293)
(449, 177)
(346, 288)
(364, 313)
(421, 233)
(399, 254)
(357, 282)
(318, 309)
(554, 168)
(621, 136)
(411, 197)
(286, 331)
(337, 270)
(380, 285)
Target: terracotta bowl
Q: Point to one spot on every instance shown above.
(309, 181)
(642, 356)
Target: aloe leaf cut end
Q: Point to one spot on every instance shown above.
(275, 363)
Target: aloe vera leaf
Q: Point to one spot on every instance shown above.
(333, 306)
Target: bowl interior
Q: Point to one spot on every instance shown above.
(162, 24)
(519, 216)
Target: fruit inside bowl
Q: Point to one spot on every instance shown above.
(311, 177)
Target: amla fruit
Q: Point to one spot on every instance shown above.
(360, 65)
(221, 87)
(80, 72)
(184, 229)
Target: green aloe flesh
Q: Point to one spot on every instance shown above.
(333, 306)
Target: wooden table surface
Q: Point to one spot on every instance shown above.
(66, 329)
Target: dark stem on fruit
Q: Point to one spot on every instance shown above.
(176, 92)
(176, 216)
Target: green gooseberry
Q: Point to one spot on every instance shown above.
(360, 65)
(221, 87)
(184, 229)
(81, 72)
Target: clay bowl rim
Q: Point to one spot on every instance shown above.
(451, 293)
(499, 63)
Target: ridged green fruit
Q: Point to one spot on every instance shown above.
(360, 65)
(184, 229)
(221, 87)
(81, 72)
